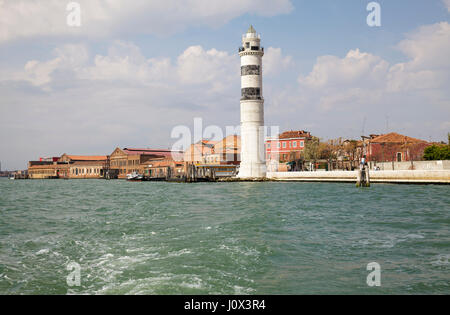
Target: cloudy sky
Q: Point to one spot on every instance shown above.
(136, 69)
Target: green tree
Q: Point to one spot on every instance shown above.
(437, 152)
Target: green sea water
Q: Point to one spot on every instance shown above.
(222, 238)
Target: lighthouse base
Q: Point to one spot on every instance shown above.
(252, 170)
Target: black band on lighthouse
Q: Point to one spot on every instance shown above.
(250, 94)
(251, 70)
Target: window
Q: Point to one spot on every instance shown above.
(295, 144)
(284, 145)
(279, 145)
(247, 45)
(268, 145)
(302, 144)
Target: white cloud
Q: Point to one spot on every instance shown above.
(355, 68)
(428, 48)
(126, 63)
(345, 81)
(68, 57)
(275, 62)
(28, 18)
(197, 66)
(447, 4)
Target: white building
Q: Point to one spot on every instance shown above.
(253, 163)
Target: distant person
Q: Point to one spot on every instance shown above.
(363, 162)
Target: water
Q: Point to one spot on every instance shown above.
(222, 238)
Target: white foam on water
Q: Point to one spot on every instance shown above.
(389, 241)
(194, 283)
(43, 251)
(183, 251)
(441, 260)
(238, 290)
(415, 236)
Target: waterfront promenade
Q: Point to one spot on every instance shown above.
(400, 176)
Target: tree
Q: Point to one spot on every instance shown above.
(311, 151)
(437, 152)
(351, 149)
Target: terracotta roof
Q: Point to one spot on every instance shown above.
(395, 138)
(50, 166)
(88, 157)
(155, 152)
(294, 134)
(158, 152)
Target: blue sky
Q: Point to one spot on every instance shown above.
(133, 72)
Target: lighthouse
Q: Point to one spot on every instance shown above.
(253, 163)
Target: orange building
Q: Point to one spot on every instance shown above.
(196, 152)
(225, 152)
(68, 166)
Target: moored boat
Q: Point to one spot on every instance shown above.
(135, 177)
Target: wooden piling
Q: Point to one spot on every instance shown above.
(363, 177)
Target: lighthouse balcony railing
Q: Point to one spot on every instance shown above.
(253, 48)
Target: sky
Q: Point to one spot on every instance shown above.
(135, 70)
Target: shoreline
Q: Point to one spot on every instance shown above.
(424, 177)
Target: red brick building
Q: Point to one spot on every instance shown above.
(288, 146)
(395, 147)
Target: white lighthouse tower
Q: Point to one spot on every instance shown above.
(253, 163)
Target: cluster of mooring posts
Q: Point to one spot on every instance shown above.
(200, 174)
(193, 174)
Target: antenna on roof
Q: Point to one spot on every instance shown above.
(363, 126)
(387, 124)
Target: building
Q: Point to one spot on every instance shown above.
(253, 163)
(288, 146)
(225, 152)
(128, 160)
(394, 147)
(82, 166)
(164, 167)
(197, 152)
(43, 170)
(68, 166)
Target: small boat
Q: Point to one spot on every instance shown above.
(135, 177)
(11, 177)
